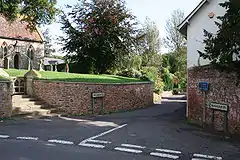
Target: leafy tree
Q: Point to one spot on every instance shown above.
(48, 47)
(149, 43)
(174, 39)
(98, 33)
(35, 12)
(223, 48)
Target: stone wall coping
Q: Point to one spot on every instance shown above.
(92, 83)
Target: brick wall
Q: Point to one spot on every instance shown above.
(75, 98)
(5, 99)
(223, 89)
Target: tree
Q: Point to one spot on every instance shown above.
(149, 44)
(35, 12)
(98, 33)
(174, 39)
(48, 48)
(223, 48)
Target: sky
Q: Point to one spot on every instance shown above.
(157, 10)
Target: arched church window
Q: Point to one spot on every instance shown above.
(5, 50)
(30, 52)
(1, 52)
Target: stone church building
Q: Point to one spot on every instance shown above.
(20, 48)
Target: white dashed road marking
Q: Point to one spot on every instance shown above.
(92, 145)
(206, 156)
(127, 150)
(132, 146)
(4, 136)
(60, 141)
(168, 151)
(164, 155)
(98, 141)
(28, 138)
(198, 159)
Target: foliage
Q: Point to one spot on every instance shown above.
(152, 73)
(35, 12)
(148, 38)
(98, 33)
(167, 79)
(71, 77)
(223, 49)
(159, 84)
(174, 39)
(149, 44)
(48, 47)
(133, 73)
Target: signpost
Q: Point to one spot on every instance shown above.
(95, 96)
(204, 87)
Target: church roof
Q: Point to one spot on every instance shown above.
(18, 30)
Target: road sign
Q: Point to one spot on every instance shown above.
(217, 106)
(203, 86)
(98, 95)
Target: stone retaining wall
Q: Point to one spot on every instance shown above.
(5, 99)
(76, 98)
(223, 90)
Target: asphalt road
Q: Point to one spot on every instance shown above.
(158, 132)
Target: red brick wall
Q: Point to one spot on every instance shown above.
(223, 89)
(5, 99)
(75, 98)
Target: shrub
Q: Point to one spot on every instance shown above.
(132, 73)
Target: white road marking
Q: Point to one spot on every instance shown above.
(198, 159)
(28, 138)
(102, 134)
(128, 150)
(98, 141)
(4, 136)
(164, 155)
(168, 151)
(92, 145)
(207, 156)
(132, 146)
(60, 141)
(49, 144)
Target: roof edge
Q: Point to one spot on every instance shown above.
(182, 26)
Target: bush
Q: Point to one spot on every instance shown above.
(158, 85)
(153, 75)
(132, 73)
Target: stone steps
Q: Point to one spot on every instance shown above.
(26, 105)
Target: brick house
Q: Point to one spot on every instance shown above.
(18, 46)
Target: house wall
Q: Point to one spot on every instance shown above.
(223, 89)
(5, 99)
(23, 61)
(75, 98)
(195, 35)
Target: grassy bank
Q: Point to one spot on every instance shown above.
(73, 77)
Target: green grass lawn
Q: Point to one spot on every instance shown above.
(72, 77)
(3, 78)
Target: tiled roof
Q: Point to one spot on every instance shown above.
(17, 30)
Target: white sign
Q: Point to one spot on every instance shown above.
(217, 106)
(98, 95)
